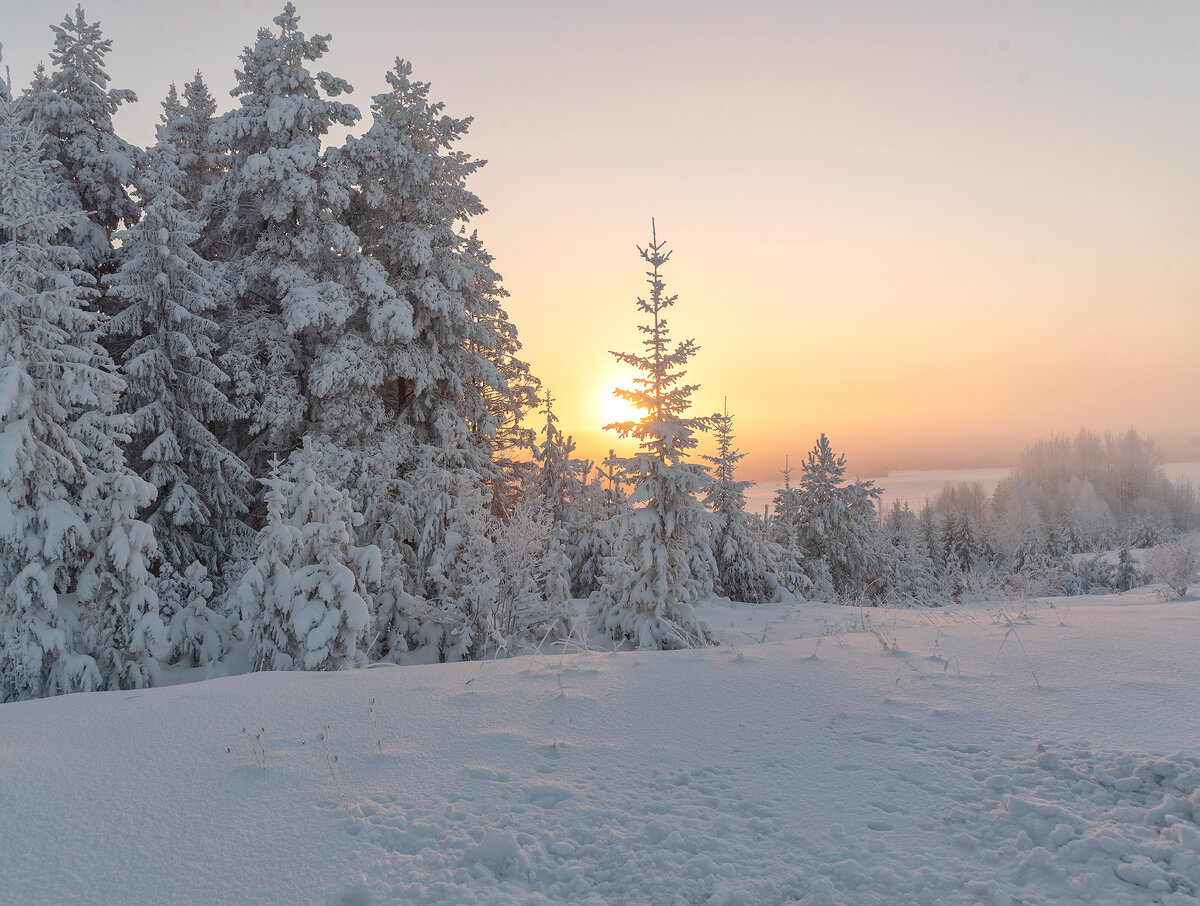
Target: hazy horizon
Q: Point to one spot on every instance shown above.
(937, 233)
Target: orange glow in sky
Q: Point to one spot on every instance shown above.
(935, 231)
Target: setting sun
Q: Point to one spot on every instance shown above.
(610, 408)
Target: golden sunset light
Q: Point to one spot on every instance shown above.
(336, 568)
(936, 256)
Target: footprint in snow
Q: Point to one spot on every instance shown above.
(545, 796)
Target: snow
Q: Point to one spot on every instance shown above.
(1037, 752)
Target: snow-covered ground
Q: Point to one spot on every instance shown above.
(1006, 753)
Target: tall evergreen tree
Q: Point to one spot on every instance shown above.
(301, 351)
(74, 107)
(185, 125)
(71, 548)
(167, 295)
(443, 389)
(413, 201)
(646, 595)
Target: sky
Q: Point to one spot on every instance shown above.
(935, 231)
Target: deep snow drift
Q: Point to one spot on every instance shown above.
(1002, 753)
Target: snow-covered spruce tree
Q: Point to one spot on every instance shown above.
(784, 532)
(931, 538)
(837, 521)
(1127, 575)
(266, 593)
(743, 571)
(412, 202)
(446, 385)
(532, 598)
(1031, 551)
(72, 553)
(185, 126)
(556, 485)
(591, 540)
(442, 580)
(123, 629)
(312, 313)
(648, 588)
(74, 107)
(198, 635)
(304, 597)
(532, 566)
(511, 398)
(905, 572)
(701, 562)
(968, 557)
(174, 391)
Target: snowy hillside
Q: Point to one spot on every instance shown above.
(996, 754)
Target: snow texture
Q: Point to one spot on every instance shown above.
(822, 756)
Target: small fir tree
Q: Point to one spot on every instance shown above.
(837, 521)
(555, 486)
(198, 635)
(743, 571)
(1128, 576)
(305, 596)
(125, 632)
(532, 596)
(592, 541)
(785, 535)
(441, 579)
(905, 571)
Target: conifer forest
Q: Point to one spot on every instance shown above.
(262, 405)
